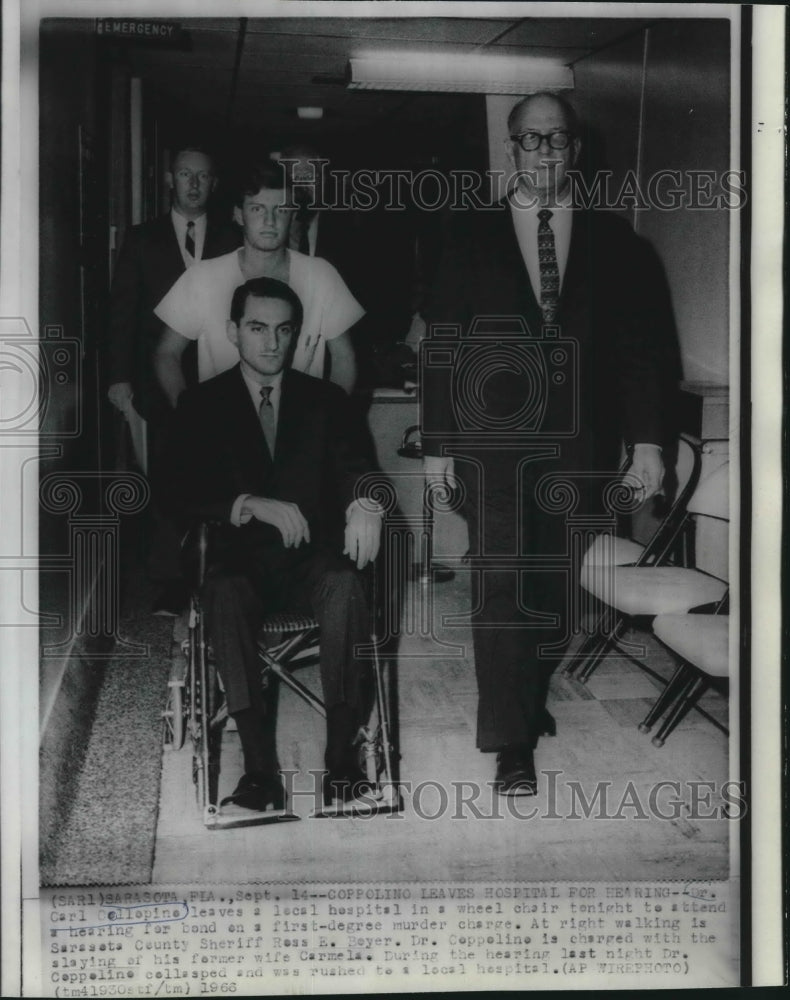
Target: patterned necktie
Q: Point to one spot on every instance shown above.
(189, 242)
(266, 417)
(549, 271)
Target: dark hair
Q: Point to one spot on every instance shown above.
(265, 288)
(189, 147)
(269, 176)
(568, 110)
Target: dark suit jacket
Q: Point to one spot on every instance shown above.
(148, 265)
(219, 452)
(614, 309)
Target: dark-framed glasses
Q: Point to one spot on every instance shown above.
(530, 141)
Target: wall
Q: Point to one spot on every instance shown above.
(72, 258)
(686, 128)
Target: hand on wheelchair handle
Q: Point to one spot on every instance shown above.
(363, 535)
(438, 467)
(648, 467)
(284, 516)
(120, 395)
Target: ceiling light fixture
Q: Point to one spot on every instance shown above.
(312, 114)
(452, 72)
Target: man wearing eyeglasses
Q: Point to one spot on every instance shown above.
(153, 257)
(578, 373)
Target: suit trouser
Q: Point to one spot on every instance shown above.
(516, 611)
(236, 600)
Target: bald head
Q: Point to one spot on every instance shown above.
(547, 125)
(545, 99)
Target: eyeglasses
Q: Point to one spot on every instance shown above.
(530, 141)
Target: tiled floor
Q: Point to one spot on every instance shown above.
(597, 748)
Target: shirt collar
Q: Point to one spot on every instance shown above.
(565, 200)
(255, 389)
(180, 221)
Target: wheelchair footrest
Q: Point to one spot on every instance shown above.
(384, 799)
(229, 817)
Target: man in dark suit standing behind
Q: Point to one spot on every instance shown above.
(153, 256)
(562, 318)
(270, 453)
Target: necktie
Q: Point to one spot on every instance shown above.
(189, 242)
(266, 417)
(549, 272)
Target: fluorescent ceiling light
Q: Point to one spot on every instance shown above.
(311, 113)
(474, 73)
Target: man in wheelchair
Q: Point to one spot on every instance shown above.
(272, 457)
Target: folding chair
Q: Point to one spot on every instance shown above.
(701, 644)
(631, 592)
(669, 541)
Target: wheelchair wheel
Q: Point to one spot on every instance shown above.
(206, 734)
(173, 718)
(370, 753)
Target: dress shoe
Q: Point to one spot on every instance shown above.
(345, 786)
(547, 724)
(343, 778)
(257, 791)
(515, 772)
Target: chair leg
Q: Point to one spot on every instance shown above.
(599, 630)
(590, 665)
(582, 654)
(680, 709)
(613, 633)
(667, 697)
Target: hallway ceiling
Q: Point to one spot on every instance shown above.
(288, 62)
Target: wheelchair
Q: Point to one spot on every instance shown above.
(196, 709)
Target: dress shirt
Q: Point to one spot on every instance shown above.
(236, 516)
(180, 226)
(525, 224)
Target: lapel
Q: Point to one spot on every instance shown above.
(505, 255)
(291, 419)
(578, 266)
(211, 246)
(170, 259)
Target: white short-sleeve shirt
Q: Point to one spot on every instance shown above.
(198, 307)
